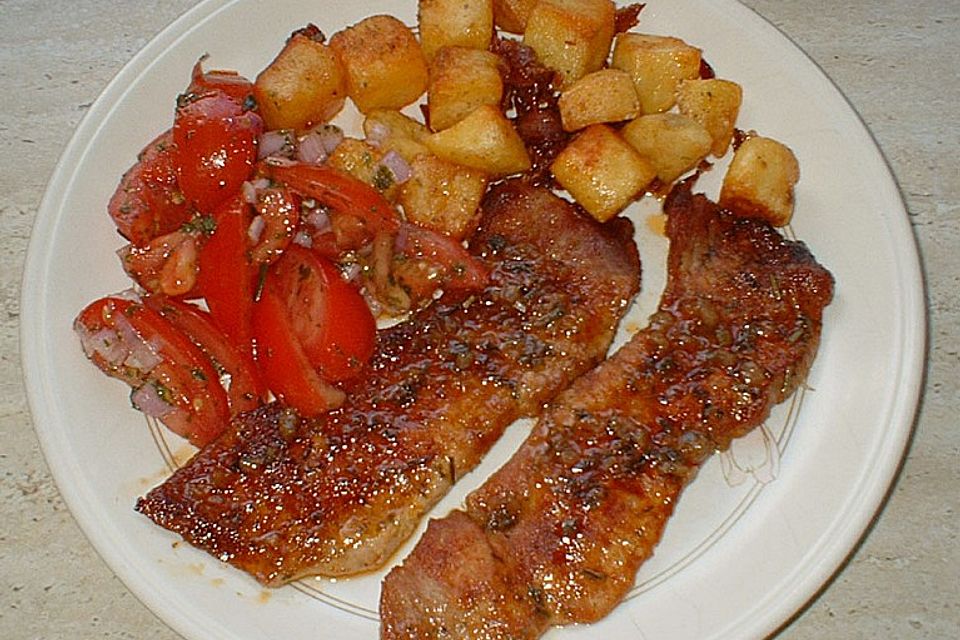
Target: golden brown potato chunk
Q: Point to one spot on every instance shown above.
(484, 140)
(512, 15)
(391, 130)
(303, 86)
(384, 63)
(571, 36)
(362, 161)
(447, 23)
(602, 172)
(672, 142)
(607, 95)
(461, 80)
(657, 65)
(443, 196)
(715, 104)
(760, 181)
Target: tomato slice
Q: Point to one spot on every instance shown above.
(341, 192)
(216, 146)
(283, 363)
(227, 280)
(173, 380)
(246, 390)
(228, 82)
(328, 316)
(148, 201)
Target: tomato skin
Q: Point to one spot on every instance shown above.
(328, 316)
(198, 408)
(229, 82)
(216, 143)
(227, 279)
(148, 201)
(247, 390)
(283, 363)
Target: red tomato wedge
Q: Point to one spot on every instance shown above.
(246, 390)
(216, 146)
(339, 191)
(148, 201)
(229, 82)
(328, 316)
(173, 380)
(227, 280)
(283, 363)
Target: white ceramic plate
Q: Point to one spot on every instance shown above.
(753, 539)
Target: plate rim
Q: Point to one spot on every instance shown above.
(836, 544)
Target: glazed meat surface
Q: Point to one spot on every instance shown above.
(283, 498)
(556, 535)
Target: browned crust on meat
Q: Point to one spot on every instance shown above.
(283, 498)
(566, 523)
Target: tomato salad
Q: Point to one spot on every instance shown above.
(258, 270)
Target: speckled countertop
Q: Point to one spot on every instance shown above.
(896, 60)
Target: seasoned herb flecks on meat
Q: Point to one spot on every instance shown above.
(283, 498)
(556, 535)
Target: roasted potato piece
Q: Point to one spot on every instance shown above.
(657, 65)
(571, 36)
(445, 23)
(303, 86)
(602, 172)
(443, 196)
(607, 95)
(384, 63)
(512, 15)
(362, 161)
(391, 130)
(759, 182)
(715, 104)
(673, 143)
(484, 140)
(461, 80)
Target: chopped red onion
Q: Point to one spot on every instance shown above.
(142, 355)
(147, 398)
(303, 239)
(105, 343)
(319, 220)
(278, 143)
(378, 132)
(310, 150)
(397, 165)
(255, 230)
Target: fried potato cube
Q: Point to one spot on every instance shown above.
(303, 86)
(673, 143)
(715, 104)
(512, 15)
(384, 63)
(484, 140)
(445, 23)
(657, 65)
(571, 36)
(390, 130)
(443, 196)
(759, 182)
(607, 95)
(362, 160)
(461, 80)
(602, 171)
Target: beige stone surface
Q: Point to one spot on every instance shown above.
(896, 60)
